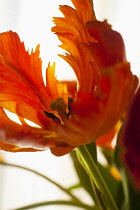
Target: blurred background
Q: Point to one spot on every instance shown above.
(32, 20)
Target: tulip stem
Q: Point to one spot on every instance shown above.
(98, 195)
(96, 176)
(58, 202)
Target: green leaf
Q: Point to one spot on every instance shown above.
(92, 149)
(117, 189)
(118, 163)
(108, 154)
(97, 178)
(113, 185)
(83, 176)
(76, 186)
(134, 197)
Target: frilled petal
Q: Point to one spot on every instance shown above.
(23, 92)
(84, 5)
(69, 114)
(54, 88)
(21, 135)
(105, 82)
(16, 137)
(100, 112)
(72, 32)
(109, 46)
(71, 88)
(22, 87)
(130, 141)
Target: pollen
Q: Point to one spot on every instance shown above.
(59, 105)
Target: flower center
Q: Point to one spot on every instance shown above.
(60, 106)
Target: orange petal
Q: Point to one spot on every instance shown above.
(72, 31)
(61, 149)
(110, 43)
(106, 140)
(11, 148)
(100, 112)
(71, 88)
(22, 88)
(29, 67)
(24, 138)
(54, 87)
(20, 79)
(84, 10)
(16, 137)
(105, 85)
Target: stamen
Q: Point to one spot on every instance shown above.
(53, 117)
(70, 101)
(59, 105)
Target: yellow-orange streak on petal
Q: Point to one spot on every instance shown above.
(105, 86)
(84, 10)
(71, 87)
(11, 148)
(22, 88)
(24, 137)
(99, 115)
(54, 87)
(72, 32)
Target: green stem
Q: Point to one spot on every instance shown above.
(126, 203)
(98, 195)
(43, 176)
(58, 202)
(96, 176)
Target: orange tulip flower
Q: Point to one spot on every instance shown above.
(68, 114)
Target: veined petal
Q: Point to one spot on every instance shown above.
(22, 88)
(28, 66)
(54, 88)
(71, 88)
(106, 47)
(23, 92)
(110, 43)
(84, 5)
(105, 82)
(69, 114)
(20, 135)
(72, 31)
(100, 112)
(24, 138)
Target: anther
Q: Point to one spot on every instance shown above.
(70, 101)
(53, 117)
